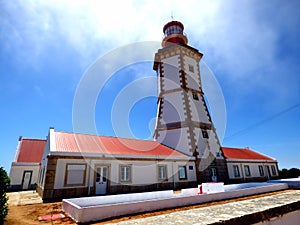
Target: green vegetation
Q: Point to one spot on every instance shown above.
(4, 186)
(289, 173)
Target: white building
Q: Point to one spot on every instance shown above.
(25, 167)
(80, 165)
(246, 165)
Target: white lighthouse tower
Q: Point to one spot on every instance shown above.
(183, 121)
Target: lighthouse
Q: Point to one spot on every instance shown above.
(183, 121)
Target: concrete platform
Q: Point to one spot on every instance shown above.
(23, 198)
(89, 209)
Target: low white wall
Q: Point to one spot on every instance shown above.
(92, 208)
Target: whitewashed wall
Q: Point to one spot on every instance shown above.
(17, 171)
(206, 145)
(143, 172)
(171, 78)
(199, 113)
(177, 139)
(172, 110)
(192, 77)
(254, 170)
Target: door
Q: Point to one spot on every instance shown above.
(26, 180)
(213, 171)
(101, 180)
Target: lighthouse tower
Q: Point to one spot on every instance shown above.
(183, 121)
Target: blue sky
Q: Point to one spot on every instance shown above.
(252, 47)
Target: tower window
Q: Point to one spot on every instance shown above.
(191, 68)
(204, 134)
(195, 96)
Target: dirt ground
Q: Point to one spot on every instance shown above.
(28, 214)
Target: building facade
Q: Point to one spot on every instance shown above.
(76, 165)
(24, 170)
(245, 165)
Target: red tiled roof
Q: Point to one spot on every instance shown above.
(243, 153)
(84, 143)
(31, 150)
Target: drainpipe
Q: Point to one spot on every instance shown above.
(157, 182)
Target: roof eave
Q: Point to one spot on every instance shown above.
(250, 160)
(114, 156)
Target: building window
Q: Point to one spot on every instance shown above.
(182, 173)
(191, 68)
(236, 171)
(204, 134)
(273, 170)
(247, 171)
(261, 170)
(162, 172)
(75, 175)
(195, 96)
(125, 173)
(191, 168)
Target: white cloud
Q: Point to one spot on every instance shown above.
(238, 39)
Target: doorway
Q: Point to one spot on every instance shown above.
(26, 181)
(101, 180)
(213, 172)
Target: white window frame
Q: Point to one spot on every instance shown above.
(75, 167)
(247, 170)
(273, 170)
(184, 177)
(261, 170)
(162, 172)
(127, 176)
(236, 171)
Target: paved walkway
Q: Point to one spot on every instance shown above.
(217, 214)
(23, 198)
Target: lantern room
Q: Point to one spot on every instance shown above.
(173, 34)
